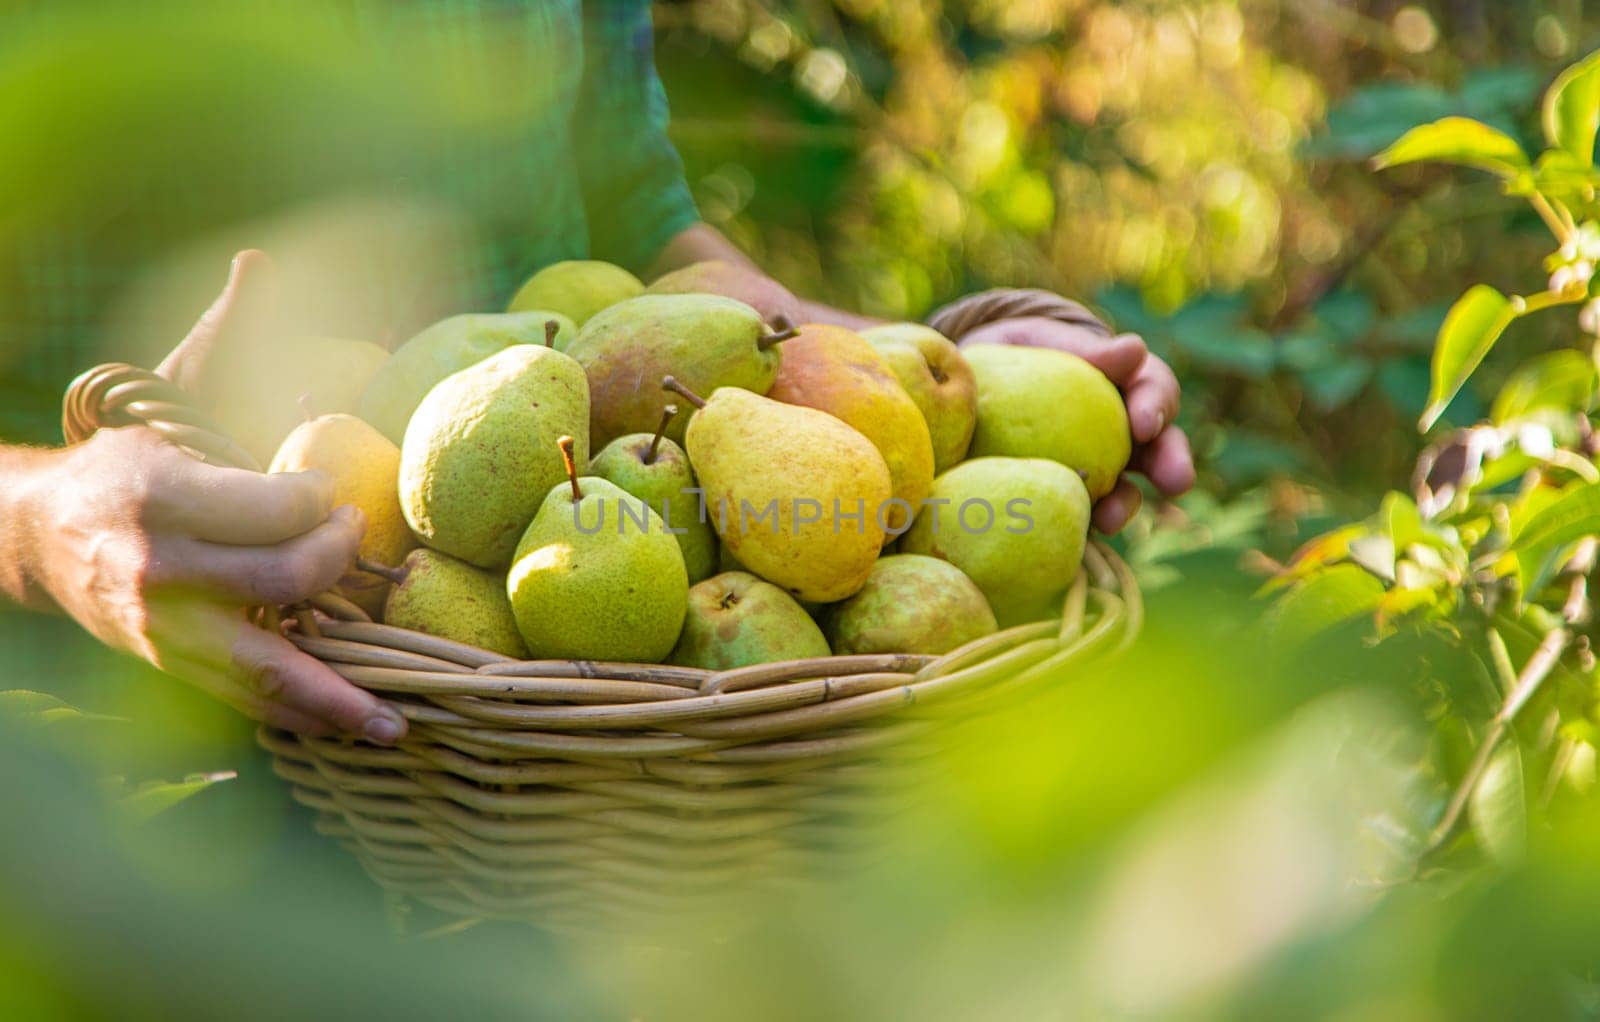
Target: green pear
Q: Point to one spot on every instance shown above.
(447, 347)
(1015, 526)
(1042, 403)
(656, 470)
(480, 452)
(597, 576)
(578, 289)
(911, 604)
(932, 370)
(736, 620)
(437, 594)
(703, 340)
(796, 495)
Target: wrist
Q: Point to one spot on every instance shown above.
(28, 477)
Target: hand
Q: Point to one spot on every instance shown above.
(1149, 388)
(156, 553)
(751, 286)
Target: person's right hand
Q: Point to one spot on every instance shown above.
(157, 553)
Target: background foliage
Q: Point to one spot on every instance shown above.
(1224, 825)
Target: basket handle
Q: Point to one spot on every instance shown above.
(118, 394)
(965, 315)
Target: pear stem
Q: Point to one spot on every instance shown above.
(304, 401)
(671, 383)
(565, 443)
(783, 330)
(655, 442)
(394, 575)
(551, 328)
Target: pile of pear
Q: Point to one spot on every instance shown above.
(588, 475)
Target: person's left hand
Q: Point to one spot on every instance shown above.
(1149, 388)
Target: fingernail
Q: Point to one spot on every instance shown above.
(384, 727)
(350, 514)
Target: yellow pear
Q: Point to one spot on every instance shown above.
(931, 369)
(364, 465)
(795, 494)
(834, 370)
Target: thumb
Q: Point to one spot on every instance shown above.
(245, 307)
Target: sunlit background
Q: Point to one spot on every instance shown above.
(1216, 826)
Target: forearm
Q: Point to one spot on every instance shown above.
(22, 475)
(703, 243)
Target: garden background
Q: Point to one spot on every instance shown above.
(1214, 827)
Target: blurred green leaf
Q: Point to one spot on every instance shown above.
(1335, 385)
(1324, 601)
(1247, 458)
(40, 708)
(1498, 810)
(1563, 380)
(1572, 515)
(1572, 109)
(155, 797)
(1488, 91)
(1348, 314)
(1471, 329)
(1457, 140)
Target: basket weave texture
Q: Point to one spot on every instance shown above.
(560, 792)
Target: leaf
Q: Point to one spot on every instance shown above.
(1459, 140)
(152, 799)
(1470, 330)
(1323, 602)
(1498, 809)
(1372, 116)
(1563, 380)
(1572, 515)
(1400, 516)
(1572, 109)
(41, 708)
(1315, 555)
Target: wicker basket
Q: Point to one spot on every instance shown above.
(560, 792)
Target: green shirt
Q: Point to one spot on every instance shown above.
(133, 133)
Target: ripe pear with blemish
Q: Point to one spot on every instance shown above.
(439, 595)
(706, 341)
(735, 620)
